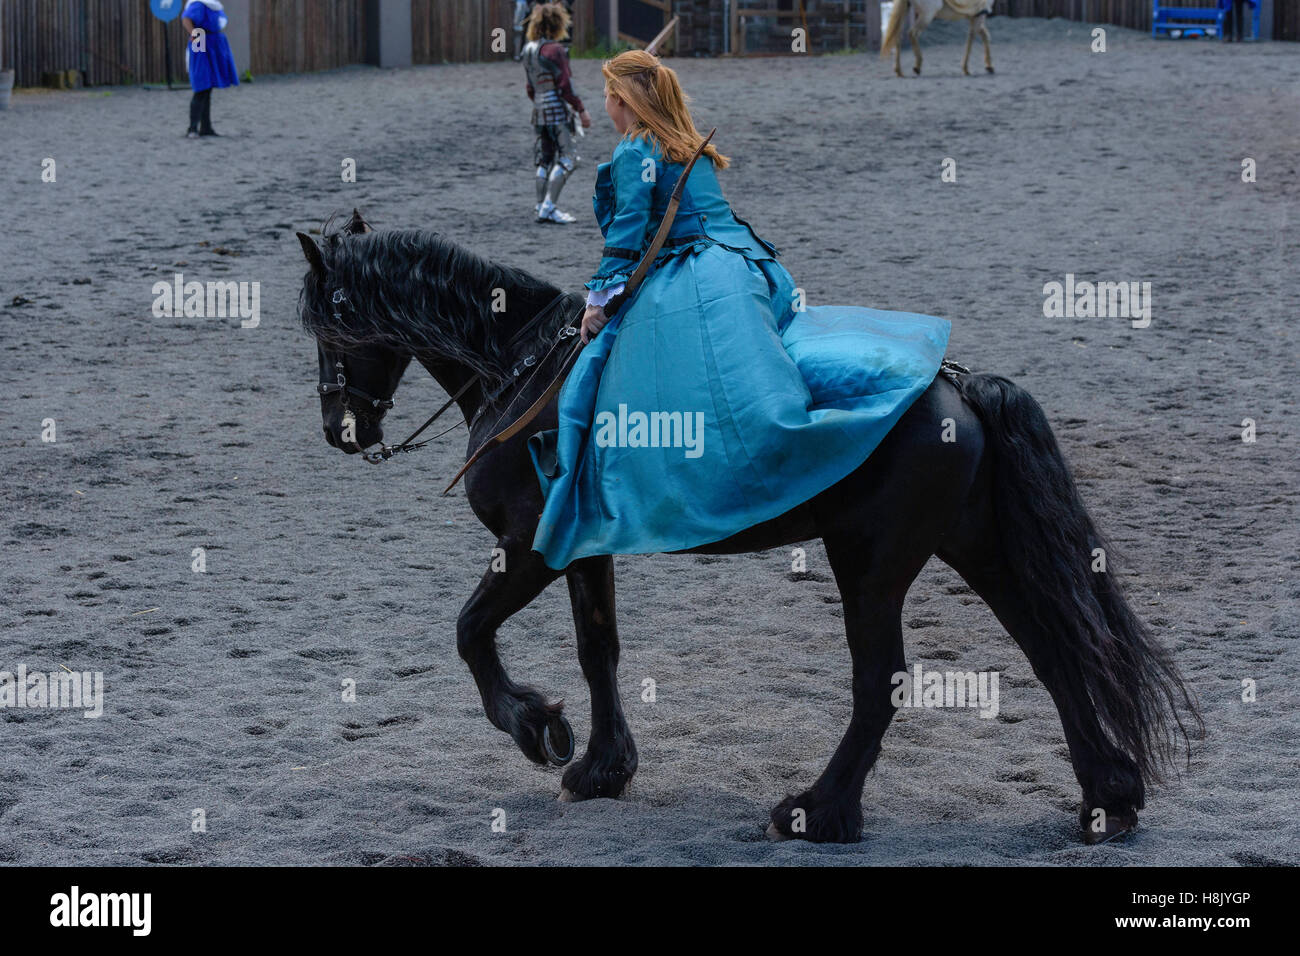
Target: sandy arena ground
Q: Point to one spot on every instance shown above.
(222, 689)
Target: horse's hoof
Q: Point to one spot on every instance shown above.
(916, 70)
(775, 835)
(557, 740)
(566, 795)
(1117, 828)
(988, 69)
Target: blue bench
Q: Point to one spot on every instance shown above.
(1180, 20)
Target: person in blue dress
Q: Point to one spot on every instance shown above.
(208, 60)
(714, 399)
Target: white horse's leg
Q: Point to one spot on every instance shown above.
(984, 35)
(898, 45)
(915, 35)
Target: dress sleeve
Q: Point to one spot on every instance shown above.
(633, 199)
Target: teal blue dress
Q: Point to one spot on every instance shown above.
(713, 400)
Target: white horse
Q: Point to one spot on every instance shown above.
(926, 10)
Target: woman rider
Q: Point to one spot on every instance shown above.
(713, 400)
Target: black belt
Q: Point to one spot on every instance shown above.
(613, 252)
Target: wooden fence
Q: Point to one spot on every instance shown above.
(1134, 14)
(298, 36)
(461, 31)
(763, 26)
(119, 41)
(1286, 20)
(106, 41)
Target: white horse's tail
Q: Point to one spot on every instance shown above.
(894, 27)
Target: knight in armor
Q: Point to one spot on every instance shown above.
(555, 106)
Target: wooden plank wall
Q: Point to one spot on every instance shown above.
(119, 41)
(108, 41)
(1134, 14)
(298, 36)
(460, 31)
(1286, 20)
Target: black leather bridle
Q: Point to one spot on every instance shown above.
(385, 452)
(341, 385)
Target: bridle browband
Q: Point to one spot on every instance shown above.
(385, 452)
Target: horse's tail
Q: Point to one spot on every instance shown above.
(894, 27)
(1048, 540)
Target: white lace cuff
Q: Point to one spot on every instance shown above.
(598, 297)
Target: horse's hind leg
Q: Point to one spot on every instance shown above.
(610, 760)
(984, 35)
(898, 44)
(518, 710)
(970, 38)
(915, 35)
(880, 525)
(1110, 780)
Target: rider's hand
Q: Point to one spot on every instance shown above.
(593, 320)
(586, 119)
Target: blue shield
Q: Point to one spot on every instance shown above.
(167, 10)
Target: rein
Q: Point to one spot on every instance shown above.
(386, 452)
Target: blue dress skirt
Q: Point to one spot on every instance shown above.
(707, 406)
(214, 66)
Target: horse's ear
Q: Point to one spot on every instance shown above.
(357, 225)
(312, 252)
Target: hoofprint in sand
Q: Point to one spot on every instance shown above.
(223, 690)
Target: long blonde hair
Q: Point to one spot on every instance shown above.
(655, 98)
(548, 21)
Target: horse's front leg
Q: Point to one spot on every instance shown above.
(517, 709)
(610, 761)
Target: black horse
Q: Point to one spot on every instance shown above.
(998, 505)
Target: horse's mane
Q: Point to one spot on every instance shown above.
(419, 293)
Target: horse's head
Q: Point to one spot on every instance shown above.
(358, 375)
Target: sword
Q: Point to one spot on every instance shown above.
(653, 45)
